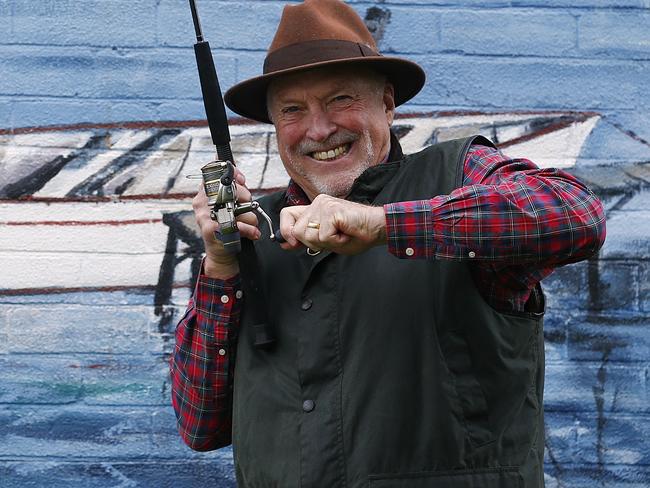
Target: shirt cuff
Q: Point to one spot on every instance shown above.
(408, 228)
(217, 299)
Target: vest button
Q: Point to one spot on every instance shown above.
(306, 304)
(308, 405)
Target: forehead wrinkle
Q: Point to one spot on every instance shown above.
(293, 87)
(302, 90)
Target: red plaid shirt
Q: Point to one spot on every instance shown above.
(513, 221)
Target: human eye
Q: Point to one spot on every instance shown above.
(342, 98)
(290, 109)
(341, 101)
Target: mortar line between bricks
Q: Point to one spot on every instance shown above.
(79, 355)
(153, 460)
(79, 252)
(121, 51)
(609, 320)
(405, 109)
(624, 260)
(617, 415)
(94, 459)
(94, 353)
(210, 462)
(571, 411)
(486, 6)
(95, 406)
(582, 363)
(574, 465)
(89, 406)
(430, 107)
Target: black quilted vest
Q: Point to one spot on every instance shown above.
(386, 372)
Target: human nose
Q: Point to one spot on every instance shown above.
(320, 126)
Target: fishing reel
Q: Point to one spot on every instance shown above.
(221, 190)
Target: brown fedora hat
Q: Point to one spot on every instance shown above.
(319, 33)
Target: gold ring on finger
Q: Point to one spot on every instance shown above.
(313, 225)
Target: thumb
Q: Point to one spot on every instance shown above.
(288, 218)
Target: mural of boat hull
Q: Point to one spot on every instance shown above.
(98, 204)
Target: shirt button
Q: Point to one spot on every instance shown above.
(239, 294)
(472, 254)
(410, 251)
(224, 299)
(222, 352)
(308, 405)
(306, 304)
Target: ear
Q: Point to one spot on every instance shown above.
(389, 102)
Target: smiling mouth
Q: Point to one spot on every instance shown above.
(332, 153)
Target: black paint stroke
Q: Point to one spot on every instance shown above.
(35, 181)
(376, 20)
(401, 130)
(171, 181)
(94, 184)
(163, 292)
(595, 303)
(630, 133)
(266, 160)
(178, 231)
(619, 184)
(599, 398)
(557, 465)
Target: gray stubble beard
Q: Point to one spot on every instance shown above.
(338, 187)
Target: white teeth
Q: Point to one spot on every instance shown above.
(332, 153)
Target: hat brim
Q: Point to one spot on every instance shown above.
(248, 98)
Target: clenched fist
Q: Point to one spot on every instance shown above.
(333, 224)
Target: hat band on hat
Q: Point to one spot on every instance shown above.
(312, 52)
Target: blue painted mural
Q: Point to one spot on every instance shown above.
(98, 247)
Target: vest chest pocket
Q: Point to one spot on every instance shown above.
(483, 478)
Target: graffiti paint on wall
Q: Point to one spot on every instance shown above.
(103, 212)
(111, 202)
(115, 190)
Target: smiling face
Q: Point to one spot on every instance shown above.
(331, 125)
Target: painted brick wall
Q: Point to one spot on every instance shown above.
(97, 261)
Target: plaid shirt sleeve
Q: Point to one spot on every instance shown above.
(203, 363)
(516, 221)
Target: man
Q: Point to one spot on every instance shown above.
(405, 302)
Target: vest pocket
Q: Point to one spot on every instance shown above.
(469, 394)
(475, 478)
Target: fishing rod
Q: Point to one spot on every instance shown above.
(221, 189)
(219, 176)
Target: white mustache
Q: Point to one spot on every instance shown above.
(339, 138)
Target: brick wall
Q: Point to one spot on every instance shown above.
(97, 260)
